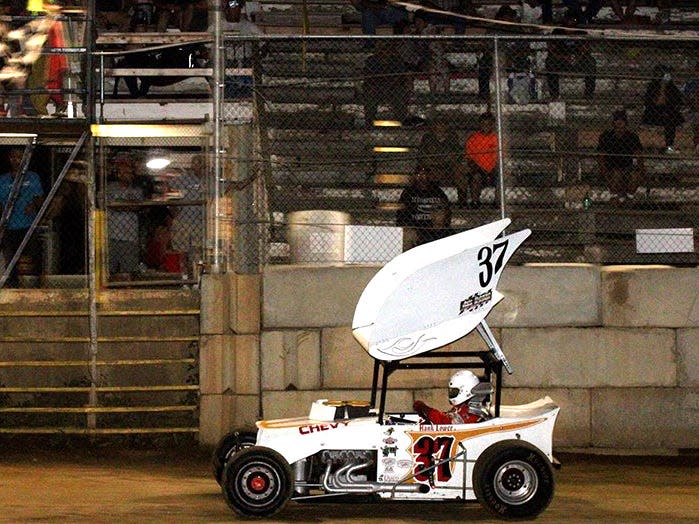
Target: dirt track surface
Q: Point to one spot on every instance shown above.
(128, 486)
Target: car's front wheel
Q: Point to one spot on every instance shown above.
(228, 446)
(513, 480)
(257, 482)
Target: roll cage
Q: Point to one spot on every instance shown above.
(491, 361)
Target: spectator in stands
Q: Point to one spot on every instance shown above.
(587, 14)
(428, 56)
(625, 15)
(386, 81)
(171, 14)
(567, 55)
(663, 105)
(123, 227)
(533, 12)
(188, 227)
(380, 12)
(481, 150)
(517, 63)
(24, 209)
(691, 95)
(424, 210)
(440, 155)
(620, 158)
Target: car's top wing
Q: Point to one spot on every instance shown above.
(434, 294)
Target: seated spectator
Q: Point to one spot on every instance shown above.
(424, 211)
(587, 14)
(663, 105)
(386, 81)
(482, 162)
(174, 14)
(620, 159)
(441, 155)
(624, 15)
(22, 212)
(123, 223)
(533, 12)
(691, 95)
(427, 56)
(569, 56)
(379, 12)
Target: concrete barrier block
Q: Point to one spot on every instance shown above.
(290, 359)
(688, 357)
(346, 364)
(588, 358)
(247, 364)
(283, 404)
(214, 304)
(211, 419)
(216, 364)
(244, 303)
(657, 297)
(246, 411)
(645, 418)
(312, 296)
(532, 300)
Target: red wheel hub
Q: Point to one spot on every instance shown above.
(258, 483)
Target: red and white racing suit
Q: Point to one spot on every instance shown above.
(457, 415)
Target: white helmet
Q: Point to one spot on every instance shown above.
(461, 385)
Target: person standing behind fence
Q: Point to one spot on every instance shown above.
(379, 12)
(123, 223)
(620, 159)
(481, 150)
(568, 55)
(424, 211)
(663, 105)
(24, 210)
(386, 81)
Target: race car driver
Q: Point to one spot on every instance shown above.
(468, 396)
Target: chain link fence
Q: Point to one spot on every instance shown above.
(366, 147)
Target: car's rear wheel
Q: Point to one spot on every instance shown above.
(257, 482)
(513, 480)
(228, 446)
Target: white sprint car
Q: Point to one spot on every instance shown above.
(419, 302)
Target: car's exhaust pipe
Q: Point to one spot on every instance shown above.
(342, 481)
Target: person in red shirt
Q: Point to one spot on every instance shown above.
(481, 151)
(467, 395)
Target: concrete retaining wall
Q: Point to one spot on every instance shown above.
(616, 347)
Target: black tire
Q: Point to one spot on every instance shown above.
(513, 480)
(229, 445)
(257, 482)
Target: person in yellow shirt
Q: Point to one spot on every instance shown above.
(481, 151)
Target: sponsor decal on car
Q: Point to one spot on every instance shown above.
(315, 428)
(475, 301)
